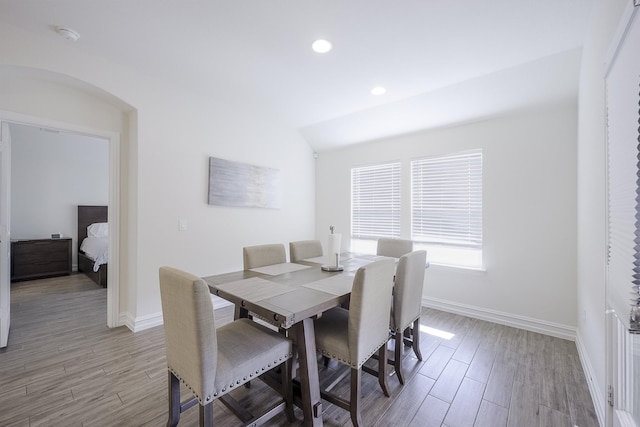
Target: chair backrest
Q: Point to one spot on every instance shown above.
(189, 330)
(263, 255)
(370, 296)
(304, 249)
(407, 292)
(394, 247)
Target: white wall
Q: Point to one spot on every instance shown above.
(592, 246)
(52, 173)
(168, 138)
(529, 208)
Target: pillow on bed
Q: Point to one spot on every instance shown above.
(99, 229)
(94, 247)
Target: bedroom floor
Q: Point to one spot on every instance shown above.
(64, 367)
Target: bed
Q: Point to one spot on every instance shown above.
(92, 252)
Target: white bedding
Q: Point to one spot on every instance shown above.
(96, 248)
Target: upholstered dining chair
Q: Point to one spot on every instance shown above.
(352, 336)
(407, 306)
(304, 249)
(212, 362)
(394, 247)
(263, 255)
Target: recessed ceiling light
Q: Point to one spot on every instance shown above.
(378, 90)
(321, 46)
(68, 33)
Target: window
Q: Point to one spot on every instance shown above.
(375, 205)
(446, 208)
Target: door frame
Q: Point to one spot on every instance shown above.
(5, 234)
(113, 138)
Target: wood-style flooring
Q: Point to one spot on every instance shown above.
(64, 367)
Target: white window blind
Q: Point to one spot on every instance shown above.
(446, 202)
(375, 201)
(623, 154)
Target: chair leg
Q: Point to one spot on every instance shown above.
(174, 400)
(287, 389)
(326, 361)
(354, 402)
(382, 369)
(206, 415)
(416, 338)
(407, 334)
(397, 361)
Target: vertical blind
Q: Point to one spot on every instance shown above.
(623, 194)
(375, 201)
(446, 199)
(623, 257)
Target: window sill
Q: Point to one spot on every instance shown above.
(458, 268)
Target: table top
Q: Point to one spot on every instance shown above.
(287, 293)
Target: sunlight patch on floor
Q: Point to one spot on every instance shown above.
(436, 332)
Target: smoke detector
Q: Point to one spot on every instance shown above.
(68, 33)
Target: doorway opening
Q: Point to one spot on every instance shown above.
(112, 150)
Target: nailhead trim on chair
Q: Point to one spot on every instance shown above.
(238, 382)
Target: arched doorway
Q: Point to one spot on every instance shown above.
(53, 101)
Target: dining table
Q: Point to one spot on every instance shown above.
(289, 296)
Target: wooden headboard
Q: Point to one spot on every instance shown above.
(88, 215)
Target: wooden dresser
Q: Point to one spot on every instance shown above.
(37, 258)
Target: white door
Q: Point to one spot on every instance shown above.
(5, 262)
(622, 284)
(623, 372)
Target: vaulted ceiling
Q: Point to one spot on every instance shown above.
(441, 61)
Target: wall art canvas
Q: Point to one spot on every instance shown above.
(243, 185)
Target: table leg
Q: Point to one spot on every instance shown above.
(309, 382)
(240, 312)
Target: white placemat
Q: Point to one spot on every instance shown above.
(255, 288)
(324, 259)
(337, 285)
(276, 269)
(317, 260)
(371, 258)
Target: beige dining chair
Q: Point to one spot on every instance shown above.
(263, 255)
(353, 336)
(407, 306)
(212, 362)
(394, 247)
(304, 249)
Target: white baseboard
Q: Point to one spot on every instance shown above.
(140, 323)
(126, 319)
(508, 319)
(137, 324)
(599, 401)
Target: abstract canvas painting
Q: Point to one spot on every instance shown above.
(243, 185)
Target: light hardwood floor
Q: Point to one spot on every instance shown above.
(64, 367)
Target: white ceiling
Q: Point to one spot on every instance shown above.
(442, 61)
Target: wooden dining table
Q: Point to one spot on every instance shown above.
(289, 296)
